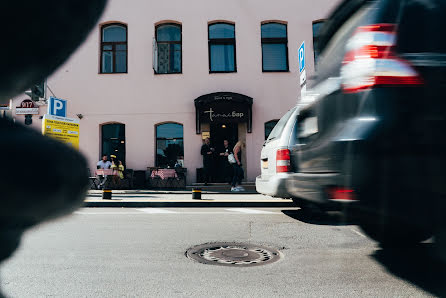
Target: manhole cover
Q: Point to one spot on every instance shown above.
(233, 254)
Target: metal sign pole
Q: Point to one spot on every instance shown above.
(302, 70)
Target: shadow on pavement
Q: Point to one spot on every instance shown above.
(316, 217)
(418, 265)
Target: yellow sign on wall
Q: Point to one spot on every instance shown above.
(63, 129)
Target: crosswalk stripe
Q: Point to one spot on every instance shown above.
(155, 210)
(251, 211)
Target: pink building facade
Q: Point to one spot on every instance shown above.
(151, 63)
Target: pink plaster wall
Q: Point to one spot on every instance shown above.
(140, 99)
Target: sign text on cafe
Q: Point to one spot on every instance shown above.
(224, 116)
(223, 107)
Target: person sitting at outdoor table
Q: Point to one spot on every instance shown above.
(118, 169)
(103, 164)
(113, 159)
(114, 163)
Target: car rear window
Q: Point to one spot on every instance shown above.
(333, 53)
(278, 129)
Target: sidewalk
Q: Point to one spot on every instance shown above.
(182, 199)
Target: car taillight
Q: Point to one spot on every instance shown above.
(371, 60)
(341, 194)
(283, 161)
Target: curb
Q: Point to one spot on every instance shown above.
(122, 195)
(187, 204)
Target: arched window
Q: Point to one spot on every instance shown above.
(269, 126)
(114, 48)
(222, 48)
(168, 48)
(113, 140)
(274, 47)
(169, 144)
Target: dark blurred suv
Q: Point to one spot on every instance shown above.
(374, 135)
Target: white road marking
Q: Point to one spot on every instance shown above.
(251, 211)
(227, 212)
(358, 233)
(105, 213)
(155, 210)
(142, 211)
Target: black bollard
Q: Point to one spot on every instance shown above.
(106, 194)
(196, 193)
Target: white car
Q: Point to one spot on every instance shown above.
(276, 159)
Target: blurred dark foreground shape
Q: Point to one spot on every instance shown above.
(40, 178)
(416, 264)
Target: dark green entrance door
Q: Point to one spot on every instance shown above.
(113, 140)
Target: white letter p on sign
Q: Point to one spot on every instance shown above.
(58, 105)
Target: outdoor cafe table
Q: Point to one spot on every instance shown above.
(168, 178)
(164, 173)
(105, 172)
(101, 175)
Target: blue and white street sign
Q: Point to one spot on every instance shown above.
(57, 107)
(302, 57)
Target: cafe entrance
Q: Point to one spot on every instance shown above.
(218, 133)
(220, 116)
(223, 131)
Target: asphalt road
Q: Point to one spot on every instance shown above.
(126, 252)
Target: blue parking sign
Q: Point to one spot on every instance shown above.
(302, 57)
(57, 107)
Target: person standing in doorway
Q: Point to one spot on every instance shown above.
(226, 166)
(207, 151)
(237, 166)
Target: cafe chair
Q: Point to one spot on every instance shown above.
(94, 183)
(127, 182)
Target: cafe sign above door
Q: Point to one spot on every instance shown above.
(223, 107)
(234, 116)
